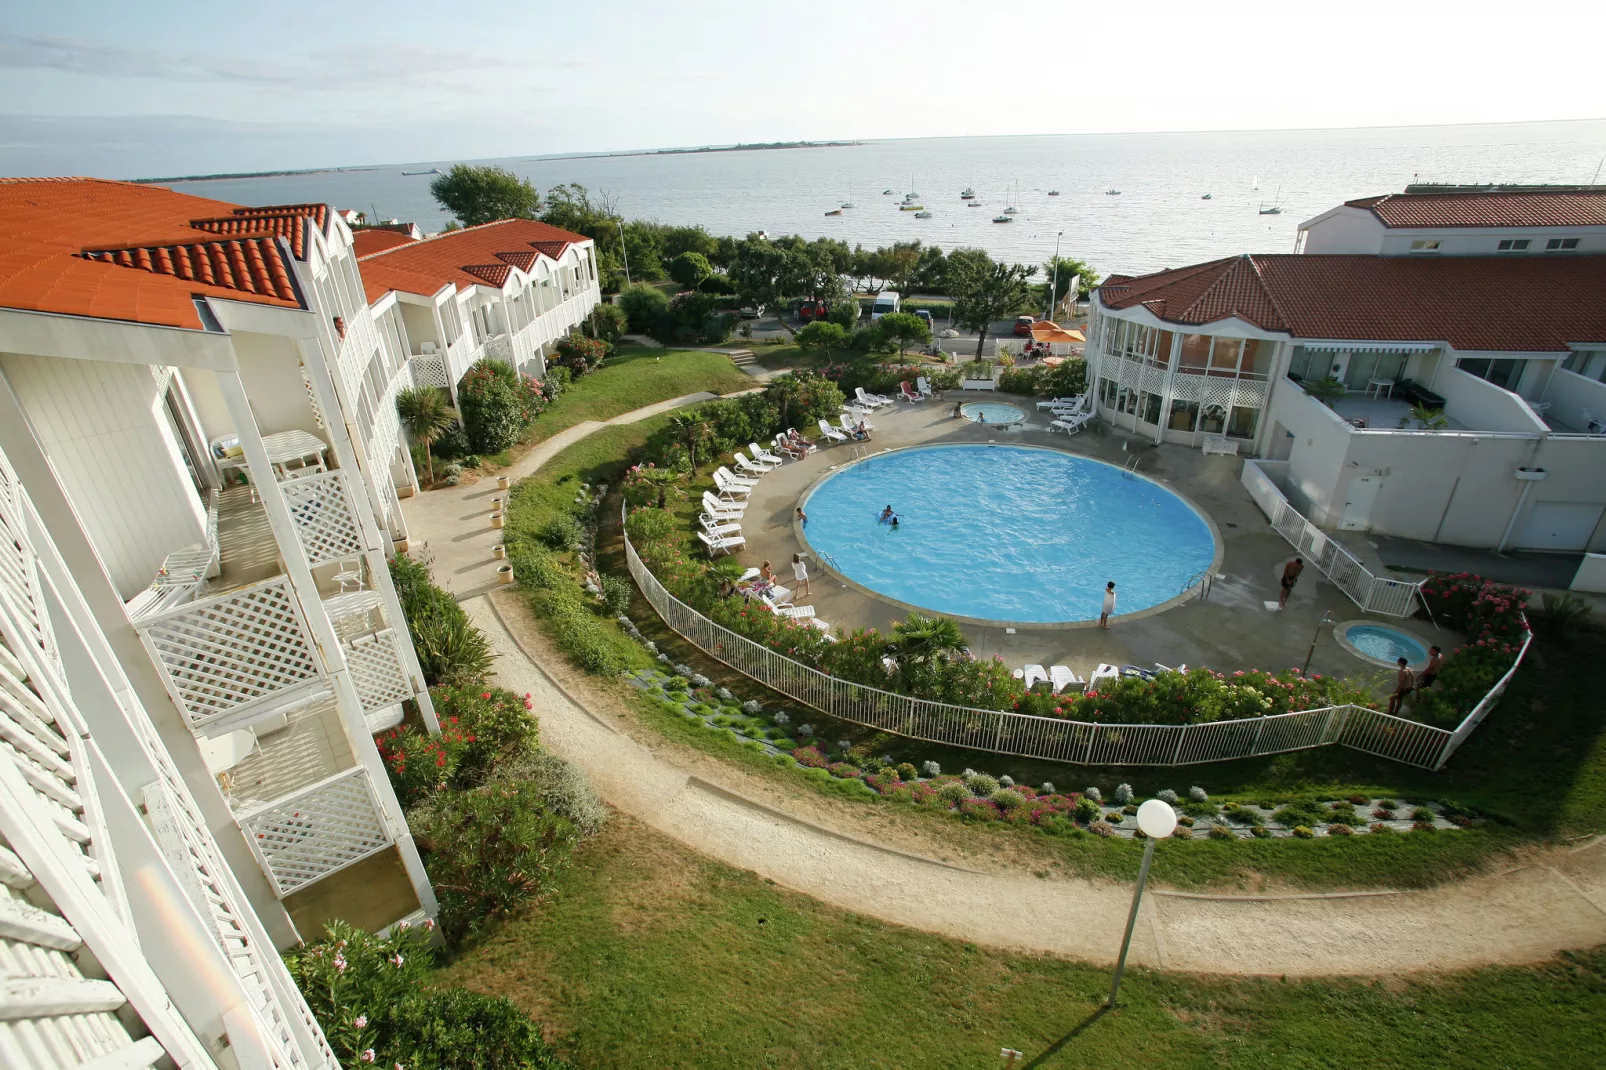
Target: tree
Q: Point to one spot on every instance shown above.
(845, 312)
(478, 195)
(644, 306)
(904, 329)
(607, 322)
(427, 416)
(689, 270)
(761, 271)
(983, 295)
(1069, 268)
(822, 336)
(692, 429)
(895, 263)
(921, 639)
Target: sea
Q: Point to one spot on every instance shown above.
(1124, 202)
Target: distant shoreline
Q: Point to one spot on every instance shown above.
(756, 147)
(254, 174)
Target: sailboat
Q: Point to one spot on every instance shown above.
(886, 193)
(1053, 193)
(967, 194)
(972, 204)
(1112, 193)
(1205, 197)
(1002, 219)
(922, 214)
(1011, 209)
(1274, 209)
(849, 202)
(1255, 185)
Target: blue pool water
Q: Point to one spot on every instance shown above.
(1008, 533)
(1387, 643)
(996, 412)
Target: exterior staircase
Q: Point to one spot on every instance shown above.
(741, 357)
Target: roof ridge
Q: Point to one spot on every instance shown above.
(1260, 279)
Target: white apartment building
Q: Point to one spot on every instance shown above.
(506, 290)
(1503, 353)
(1463, 221)
(199, 406)
(125, 937)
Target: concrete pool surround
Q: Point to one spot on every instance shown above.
(798, 530)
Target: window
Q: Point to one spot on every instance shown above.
(1425, 245)
(1502, 373)
(1590, 363)
(1560, 245)
(1513, 245)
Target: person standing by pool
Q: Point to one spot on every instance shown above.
(1404, 684)
(1291, 573)
(800, 572)
(802, 517)
(1430, 672)
(1109, 605)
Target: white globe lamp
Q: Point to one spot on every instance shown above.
(1157, 821)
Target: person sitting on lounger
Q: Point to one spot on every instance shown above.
(861, 432)
(797, 440)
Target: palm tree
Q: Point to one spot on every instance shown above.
(925, 638)
(427, 417)
(692, 428)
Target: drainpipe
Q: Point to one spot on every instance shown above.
(1528, 477)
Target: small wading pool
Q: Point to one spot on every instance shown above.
(1018, 534)
(1382, 645)
(991, 412)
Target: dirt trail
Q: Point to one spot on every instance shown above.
(1518, 916)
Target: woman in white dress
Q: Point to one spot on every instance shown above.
(800, 572)
(1109, 605)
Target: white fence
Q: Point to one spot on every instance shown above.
(1052, 738)
(321, 507)
(1375, 594)
(311, 834)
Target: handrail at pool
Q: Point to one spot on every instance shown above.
(1052, 738)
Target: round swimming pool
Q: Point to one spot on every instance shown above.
(991, 412)
(1007, 533)
(1384, 645)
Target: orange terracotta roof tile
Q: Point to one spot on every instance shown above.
(372, 240)
(495, 274)
(1513, 304)
(423, 267)
(1494, 208)
(119, 250)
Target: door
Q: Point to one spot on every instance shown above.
(1357, 514)
(1560, 525)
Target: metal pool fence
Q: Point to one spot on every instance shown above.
(1053, 738)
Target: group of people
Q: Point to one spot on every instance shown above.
(889, 518)
(794, 445)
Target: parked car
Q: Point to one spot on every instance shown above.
(751, 312)
(1023, 326)
(812, 310)
(925, 315)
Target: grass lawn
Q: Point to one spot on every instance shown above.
(647, 955)
(640, 375)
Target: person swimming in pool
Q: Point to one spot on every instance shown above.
(886, 514)
(893, 523)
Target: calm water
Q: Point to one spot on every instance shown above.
(1008, 533)
(1158, 220)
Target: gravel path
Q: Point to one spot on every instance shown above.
(1521, 915)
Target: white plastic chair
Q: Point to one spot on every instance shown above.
(727, 544)
(874, 401)
(1061, 677)
(762, 456)
(830, 432)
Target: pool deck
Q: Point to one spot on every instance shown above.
(1232, 629)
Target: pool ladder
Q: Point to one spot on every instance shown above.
(1204, 579)
(1130, 468)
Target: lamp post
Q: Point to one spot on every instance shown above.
(1157, 820)
(1054, 287)
(622, 250)
(1327, 618)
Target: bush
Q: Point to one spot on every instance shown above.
(556, 382)
(468, 1030)
(1101, 828)
(606, 322)
(480, 726)
(931, 769)
(1008, 799)
(564, 787)
(563, 531)
(1095, 794)
(1303, 832)
(452, 444)
(494, 401)
(587, 641)
(615, 595)
(1339, 829)
(1087, 810)
(1423, 813)
(449, 648)
(982, 784)
(1198, 794)
(907, 771)
(534, 567)
(490, 850)
(1166, 795)
(643, 307)
(1221, 832)
(579, 354)
(1123, 794)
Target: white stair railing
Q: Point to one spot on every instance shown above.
(317, 831)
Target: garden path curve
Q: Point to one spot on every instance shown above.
(1521, 915)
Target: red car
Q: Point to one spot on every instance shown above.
(1023, 326)
(812, 310)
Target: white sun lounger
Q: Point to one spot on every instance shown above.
(924, 386)
(1031, 675)
(1061, 403)
(909, 395)
(1063, 678)
(718, 528)
(779, 444)
(787, 609)
(853, 415)
(807, 445)
(723, 510)
(875, 401)
(744, 465)
(1071, 424)
(1102, 673)
(725, 544)
(848, 426)
(732, 477)
(763, 456)
(830, 432)
(729, 488)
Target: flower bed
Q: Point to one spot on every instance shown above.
(1493, 619)
(975, 796)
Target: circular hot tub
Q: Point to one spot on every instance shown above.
(991, 412)
(1381, 644)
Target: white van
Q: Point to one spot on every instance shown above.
(886, 301)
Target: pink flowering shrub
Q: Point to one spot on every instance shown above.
(810, 757)
(479, 725)
(1492, 616)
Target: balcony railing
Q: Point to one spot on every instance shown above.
(317, 831)
(320, 507)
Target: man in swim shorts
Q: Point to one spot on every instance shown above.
(1291, 573)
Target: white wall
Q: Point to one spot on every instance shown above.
(270, 368)
(1571, 395)
(101, 425)
(1591, 575)
(1480, 405)
(1320, 447)
(1485, 241)
(1344, 230)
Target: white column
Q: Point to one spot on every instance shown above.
(1165, 394)
(348, 703)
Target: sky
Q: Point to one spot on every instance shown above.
(171, 87)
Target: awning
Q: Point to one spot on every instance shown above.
(1049, 332)
(1374, 347)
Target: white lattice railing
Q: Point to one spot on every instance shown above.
(1375, 594)
(19, 568)
(377, 670)
(430, 370)
(321, 509)
(317, 831)
(220, 654)
(1050, 738)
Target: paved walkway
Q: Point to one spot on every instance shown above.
(1521, 915)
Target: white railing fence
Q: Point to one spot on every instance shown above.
(220, 654)
(429, 369)
(1049, 738)
(1481, 710)
(321, 508)
(317, 831)
(1375, 594)
(377, 669)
